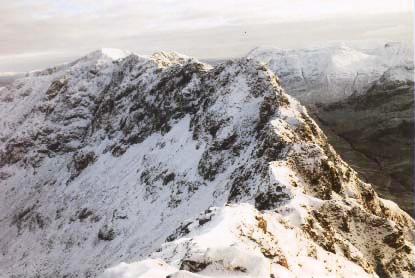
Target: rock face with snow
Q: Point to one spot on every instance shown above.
(198, 171)
(326, 75)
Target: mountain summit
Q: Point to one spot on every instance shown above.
(182, 170)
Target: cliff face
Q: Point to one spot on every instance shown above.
(113, 156)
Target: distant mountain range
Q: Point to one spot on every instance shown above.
(325, 75)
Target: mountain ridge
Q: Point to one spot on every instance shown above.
(107, 161)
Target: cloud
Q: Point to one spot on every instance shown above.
(73, 27)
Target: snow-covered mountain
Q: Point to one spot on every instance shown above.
(197, 171)
(329, 74)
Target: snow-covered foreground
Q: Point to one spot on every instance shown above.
(240, 241)
(129, 166)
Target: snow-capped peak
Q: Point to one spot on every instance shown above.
(102, 56)
(109, 53)
(115, 54)
(168, 58)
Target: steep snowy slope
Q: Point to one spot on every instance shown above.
(323, 75)
(113, 156)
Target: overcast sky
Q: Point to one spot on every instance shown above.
(39, 33)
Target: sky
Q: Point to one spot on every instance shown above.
(35, 34)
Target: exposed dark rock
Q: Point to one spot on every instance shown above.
(209, 165)
(28, 219)
(86, 213)
(82, 160)
(118, 150)
(394, 240)
(55, 88)
(168, 178)
(106, 233)
(15, 151)
(180, 231)
(193, 266)
(270, 200)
